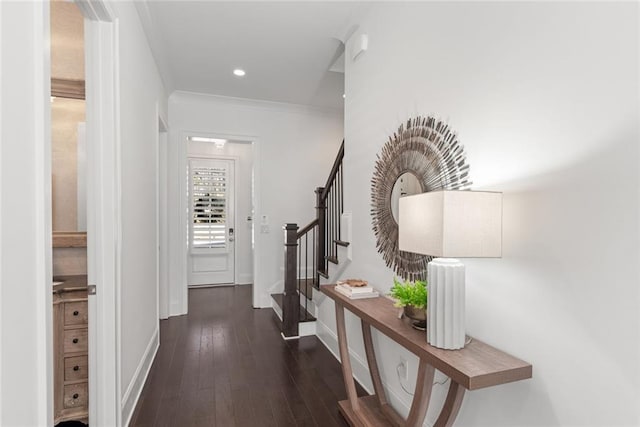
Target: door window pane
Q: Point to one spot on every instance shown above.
(209, 207)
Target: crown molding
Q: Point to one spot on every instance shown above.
(256, 104)
(156, 44)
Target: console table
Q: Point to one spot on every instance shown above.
(476, 366)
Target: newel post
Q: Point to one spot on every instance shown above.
(321, 244)
(291, 303)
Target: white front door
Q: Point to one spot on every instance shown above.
(211, 221)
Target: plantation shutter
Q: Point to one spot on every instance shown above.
(209, 200)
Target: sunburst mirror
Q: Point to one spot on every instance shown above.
(423, 155)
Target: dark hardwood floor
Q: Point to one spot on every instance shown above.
(225, 364)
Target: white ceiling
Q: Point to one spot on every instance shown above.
(286, 48)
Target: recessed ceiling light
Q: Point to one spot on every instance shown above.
(239, 72)
(344, 95)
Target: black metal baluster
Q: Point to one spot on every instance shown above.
(299, 261)
(341, 201)
(334, 248)
(328, 232)
(306, 274)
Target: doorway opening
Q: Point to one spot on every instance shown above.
(220, 203)
(70, 320)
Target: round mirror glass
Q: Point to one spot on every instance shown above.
(405, 185)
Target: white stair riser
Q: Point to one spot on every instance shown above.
(304, 328)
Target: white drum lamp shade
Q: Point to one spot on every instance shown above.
(450, 224)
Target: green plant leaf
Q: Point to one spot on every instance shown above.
(409, 293)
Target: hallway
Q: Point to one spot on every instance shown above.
(225, 364)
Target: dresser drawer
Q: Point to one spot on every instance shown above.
(75, 340)
(76, 395)
(75, 313)
(76, 368)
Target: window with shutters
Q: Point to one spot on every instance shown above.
(209, 207)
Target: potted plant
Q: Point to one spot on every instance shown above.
(413, 297)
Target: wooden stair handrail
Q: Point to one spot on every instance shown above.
(334, 171)
(307, 228)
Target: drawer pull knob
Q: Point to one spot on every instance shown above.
(75, 396)
(75, 340)
(75, 313)
(75, 368)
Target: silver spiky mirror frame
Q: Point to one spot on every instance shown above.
(429, 149)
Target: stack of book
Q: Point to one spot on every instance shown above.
(356, 289)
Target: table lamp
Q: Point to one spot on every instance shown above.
(449, 224)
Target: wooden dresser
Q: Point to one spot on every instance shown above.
(70, 356)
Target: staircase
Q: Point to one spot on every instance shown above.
(307, 254)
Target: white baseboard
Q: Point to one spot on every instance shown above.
(244, 279)
(175, 309)
(358, 365)
(131, 396)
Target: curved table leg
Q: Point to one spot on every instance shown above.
(422, 395)
(387, 410)
(347, 372)
(451, 406)
(424, 384)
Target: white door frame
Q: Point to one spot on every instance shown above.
(190, 255)
(26, 367)
(103, 216)
(161, 217)
(181, 264)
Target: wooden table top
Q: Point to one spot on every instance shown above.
(476, 366)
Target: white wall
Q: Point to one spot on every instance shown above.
(294, 148)
(26, 385)
(544, 97)
(142, 98)
(242, 154)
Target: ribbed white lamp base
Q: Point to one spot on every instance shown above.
(445, 313)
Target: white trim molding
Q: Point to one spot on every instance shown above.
(256, 104)
(26, 306)
(162, 188)
(132, 395)
(43, 207)
(1, 258)
(178, 251)
(103, 217)
(156, 44)
(358, 364)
